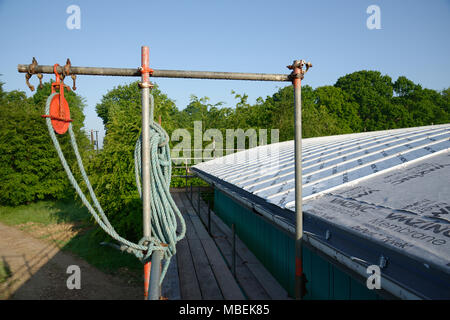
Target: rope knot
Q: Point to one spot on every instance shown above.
(151, 245)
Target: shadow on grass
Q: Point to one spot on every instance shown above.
(87, 243)
(68, 212)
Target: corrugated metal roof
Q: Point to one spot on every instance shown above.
(391, 188)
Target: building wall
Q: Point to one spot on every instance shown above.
(276, 250)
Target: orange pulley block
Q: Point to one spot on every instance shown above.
(59, 108)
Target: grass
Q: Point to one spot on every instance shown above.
(105, 258)
(44, 213)
(86, 244)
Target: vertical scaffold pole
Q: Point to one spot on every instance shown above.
(296, 82)
(145, 156)
(155, 275)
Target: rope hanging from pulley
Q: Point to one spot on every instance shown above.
(165, 215)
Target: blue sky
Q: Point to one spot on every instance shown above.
(240, 36)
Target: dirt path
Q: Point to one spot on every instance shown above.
(38, 271)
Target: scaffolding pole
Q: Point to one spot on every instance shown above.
(145, 156)
(297, 75)
(127, 72)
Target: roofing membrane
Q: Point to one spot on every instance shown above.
(327, 162)
(390, 187)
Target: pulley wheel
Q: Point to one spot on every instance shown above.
(60, 119)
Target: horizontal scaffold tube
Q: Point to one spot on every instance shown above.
(130, 72)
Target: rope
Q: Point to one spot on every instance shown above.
(164, 212)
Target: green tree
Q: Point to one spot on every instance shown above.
(372, 92)
(128, 98)
(420, 106)
(200, 109)
(338, 104)
(404, 87)
(1, 91)
(31, 169)
(112, 170)
(278, 113)
(446, 101)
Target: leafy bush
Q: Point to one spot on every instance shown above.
(112, 170)
(31, 169)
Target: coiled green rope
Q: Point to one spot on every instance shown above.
(164, 212)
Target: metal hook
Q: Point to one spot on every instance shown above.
(30, 72)
(39, 75)
(59, 82)
(57, 76)
(74, 78)
(66, 72)
(27, 78)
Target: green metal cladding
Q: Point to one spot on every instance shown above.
(276, 250)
